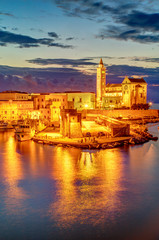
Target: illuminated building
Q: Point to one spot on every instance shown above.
(113, 96)
(15, 110)
(134, 91)
(59, 102)
(14, 95)
(51, 104)
(82, 100)
(100, 83)
(70, 123)
(116, 95)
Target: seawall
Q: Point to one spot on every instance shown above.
(125, 113)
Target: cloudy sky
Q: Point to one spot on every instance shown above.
(56, 45)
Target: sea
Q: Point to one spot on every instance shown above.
(56, 193)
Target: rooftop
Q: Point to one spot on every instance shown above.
(137, 80)
(113, 85)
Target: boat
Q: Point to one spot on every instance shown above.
(24, 132)
(4, 126)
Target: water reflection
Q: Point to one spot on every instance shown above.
(59, 190)
(86, 188)
(13, 173)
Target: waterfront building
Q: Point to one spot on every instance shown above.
(50, 104)
(14, 95)
(117, 95)
(113, 96)
(59, 101)
(100, 83)
(82, 100)
(15, 110)
(70, 123)
(134, 91)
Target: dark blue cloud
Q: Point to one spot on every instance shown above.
(24, 41)
(155, 60)
(126, 33)
(44, 80)
(65, 79)
(70, 38)
(85, 8)
(133, 21)
(63, 61)
(141, 20)
(53, 34)
(7, 14)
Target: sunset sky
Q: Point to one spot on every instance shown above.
(56, 45)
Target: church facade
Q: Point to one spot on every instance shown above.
(117, 95)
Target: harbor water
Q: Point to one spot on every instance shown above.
(51, 192)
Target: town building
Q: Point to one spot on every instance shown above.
(50, 104)
(132, 91)
(15, 110)
(113, 96)
(100, 83)
(14, 95)
(70, 123)
(82, 100)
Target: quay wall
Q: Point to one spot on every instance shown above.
(125, 113)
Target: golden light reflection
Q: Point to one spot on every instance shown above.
(85, 186)
(87, 165)
(36, 158)
(65, 171)
(13, 172)
(112, 167)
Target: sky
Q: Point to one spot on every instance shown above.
(56, 45)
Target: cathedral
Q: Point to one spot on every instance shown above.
(119, 95)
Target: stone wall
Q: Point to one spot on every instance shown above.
(75, 130)
(126, 113)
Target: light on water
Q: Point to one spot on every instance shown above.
(66, 193)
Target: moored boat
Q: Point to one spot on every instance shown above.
(24, 132)
(4, 126)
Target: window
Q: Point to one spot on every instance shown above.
(80, 99)
(73, 99)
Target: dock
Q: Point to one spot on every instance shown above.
(84, 143)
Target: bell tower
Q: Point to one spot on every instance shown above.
(100, 83)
